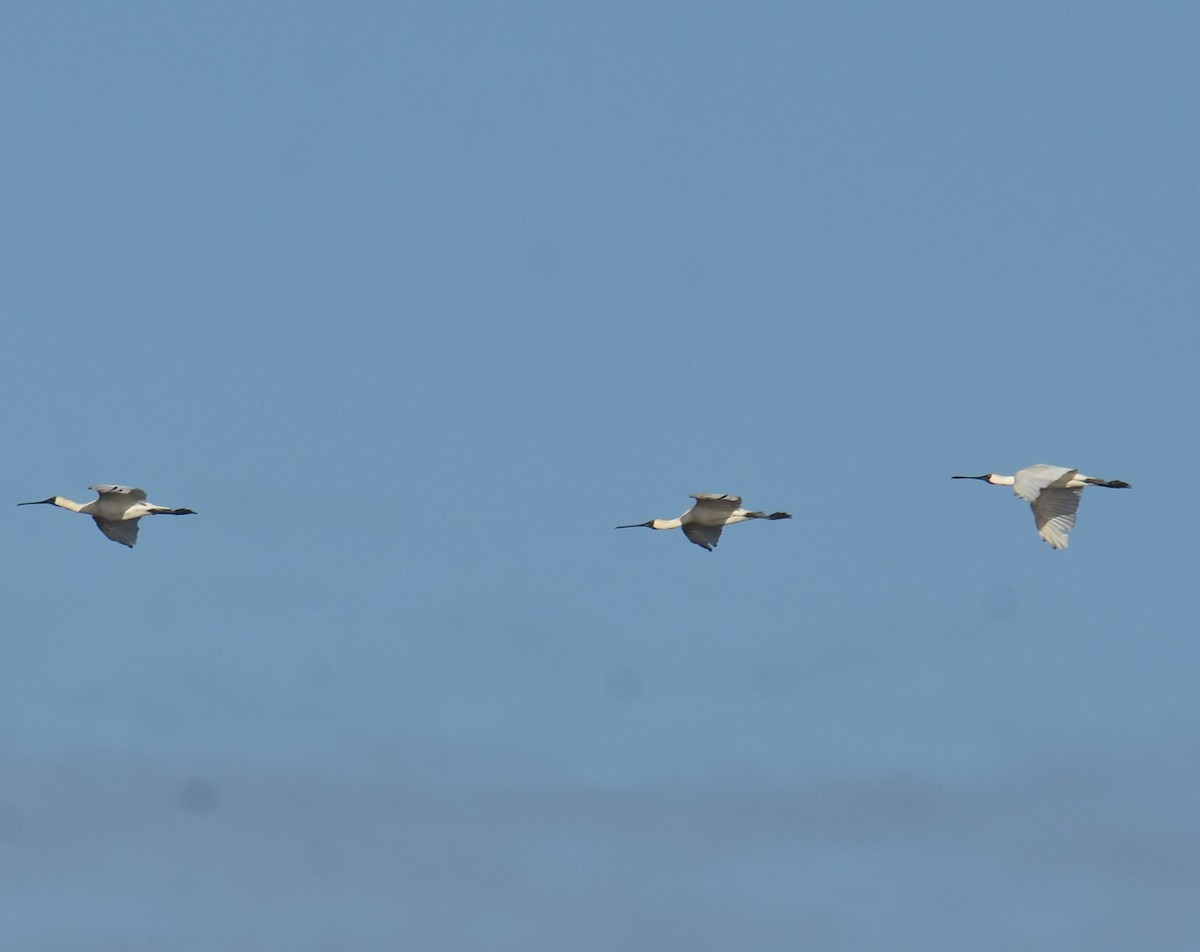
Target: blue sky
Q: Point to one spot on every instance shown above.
(414, 303)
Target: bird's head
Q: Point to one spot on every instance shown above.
(40, 502)
(986, 477)
(639, 525)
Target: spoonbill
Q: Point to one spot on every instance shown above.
(1052, 493)
(703, 523)
(116, 511)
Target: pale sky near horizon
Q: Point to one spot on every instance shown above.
(414, 303)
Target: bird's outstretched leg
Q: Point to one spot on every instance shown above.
(780, 515)
(1110, 483)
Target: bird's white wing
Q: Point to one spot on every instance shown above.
(105, 489)
(704, 536)
(1054, 513)
(123, 531)
(715, 506)
(1031, 480)
(734, 501)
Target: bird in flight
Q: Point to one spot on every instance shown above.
(116, 511)
(1053, 493)
(703, 523)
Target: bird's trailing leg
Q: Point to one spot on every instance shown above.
(1109, 483)
(747, 516)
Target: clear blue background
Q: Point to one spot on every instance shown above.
(413, 303)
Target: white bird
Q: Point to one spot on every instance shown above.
(705, 520)
(116, 511)
(1053, 494)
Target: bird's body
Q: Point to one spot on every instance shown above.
(1053, 493)
(702, 524)
(116, 511)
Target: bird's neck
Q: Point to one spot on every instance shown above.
(63, 503)
(997, 480)
(666, 523)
